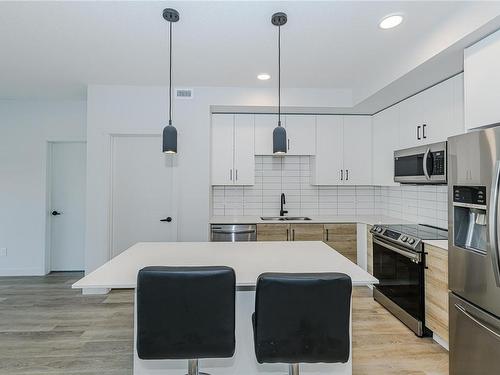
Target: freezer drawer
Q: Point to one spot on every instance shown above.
(474, 339)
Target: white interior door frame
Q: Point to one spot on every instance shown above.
(48, 195)
(175, 192)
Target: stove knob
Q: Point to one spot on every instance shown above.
(379, 230)
(404, 238)
(411, 241)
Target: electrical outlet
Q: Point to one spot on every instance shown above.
(3, 252)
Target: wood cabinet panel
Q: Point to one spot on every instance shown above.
(369, 246)
(342, 238)
(306, 232)
(436, 291)
(273, 232)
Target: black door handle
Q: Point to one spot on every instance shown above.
(55, 213)
(167, 219)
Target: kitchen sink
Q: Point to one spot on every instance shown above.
(285, 218)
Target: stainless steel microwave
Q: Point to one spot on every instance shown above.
(425, 164)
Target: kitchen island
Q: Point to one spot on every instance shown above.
(249, 260)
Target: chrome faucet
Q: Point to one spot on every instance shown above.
(282, 211)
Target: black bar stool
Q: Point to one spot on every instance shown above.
(186, 313)
(302, 318)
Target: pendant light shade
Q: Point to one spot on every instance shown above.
(279, 133)
(170, 132)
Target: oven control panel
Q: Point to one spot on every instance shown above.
(396, 237)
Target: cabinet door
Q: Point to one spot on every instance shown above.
(306, 232)
(301, 133)
(436, 291)
(357, 150)
(222, 149)
(273, 232)
(327, 165)
(385, 142)
(343, 238)
(264, 126)
(244, 150)
(410, 122)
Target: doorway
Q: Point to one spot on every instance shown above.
(142, 192)
(67, 186)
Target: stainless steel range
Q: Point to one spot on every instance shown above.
(398, 264)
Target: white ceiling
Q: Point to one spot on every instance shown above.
(54, 49)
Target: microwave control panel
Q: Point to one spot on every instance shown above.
(439, 163)
(470, 194)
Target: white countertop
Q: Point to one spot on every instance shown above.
(248, 259)
(364, 219)
(443, 244)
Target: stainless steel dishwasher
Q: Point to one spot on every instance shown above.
(233, 232)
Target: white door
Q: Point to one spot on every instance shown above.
(244, 150)
(143, 202)
(327, 165)
(67, 206)
(357, 150)
(264, 127)
(301, 133)
(222, 149)
(385, 142)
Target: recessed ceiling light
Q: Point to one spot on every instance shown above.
(391, 21)
(263, 76)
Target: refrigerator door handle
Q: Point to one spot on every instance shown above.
(476, 320)
(424, 162)
(493, 222)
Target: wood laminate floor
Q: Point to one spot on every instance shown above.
(48, 328)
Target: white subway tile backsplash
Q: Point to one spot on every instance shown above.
(291, 175)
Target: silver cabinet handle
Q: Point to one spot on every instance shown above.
(347, 174)
(327, 236)
(288, 144)
(236, 175)
(423, 131)
(341, 175)
(293, 234)
(231, 174)
(493, 222)
(287, 234)
(475, 320)
(418, 133)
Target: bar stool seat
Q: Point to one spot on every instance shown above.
(302, 318)
(186, 313)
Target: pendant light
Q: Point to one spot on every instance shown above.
(279, 133)
(170, 132)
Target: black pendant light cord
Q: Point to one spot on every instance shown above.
(279, 75)
(170, 81)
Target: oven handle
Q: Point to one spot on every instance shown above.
(426, 155)
(407, 254)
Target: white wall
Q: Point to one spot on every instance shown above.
(25, 129)
(135, 109)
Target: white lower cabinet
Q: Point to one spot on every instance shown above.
(233, 151)
(343, 150)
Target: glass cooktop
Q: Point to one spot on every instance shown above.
(421, 231)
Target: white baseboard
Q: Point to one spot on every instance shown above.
(22, 272)
(440, 341)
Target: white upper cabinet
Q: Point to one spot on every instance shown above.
(343, 150)
(264, 126)
(432, 115)
(301, 134)
(327, 166)
(300, 130)
(233, 152)
(385, 142)
(357, 150)
(244, 150)
(482, 82)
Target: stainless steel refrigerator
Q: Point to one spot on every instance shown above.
(474, 257)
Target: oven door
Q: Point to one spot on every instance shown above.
(401, 277)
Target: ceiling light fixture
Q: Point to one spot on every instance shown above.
(390, 21)
(263, 76)
(279, 133)
(170, 132)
